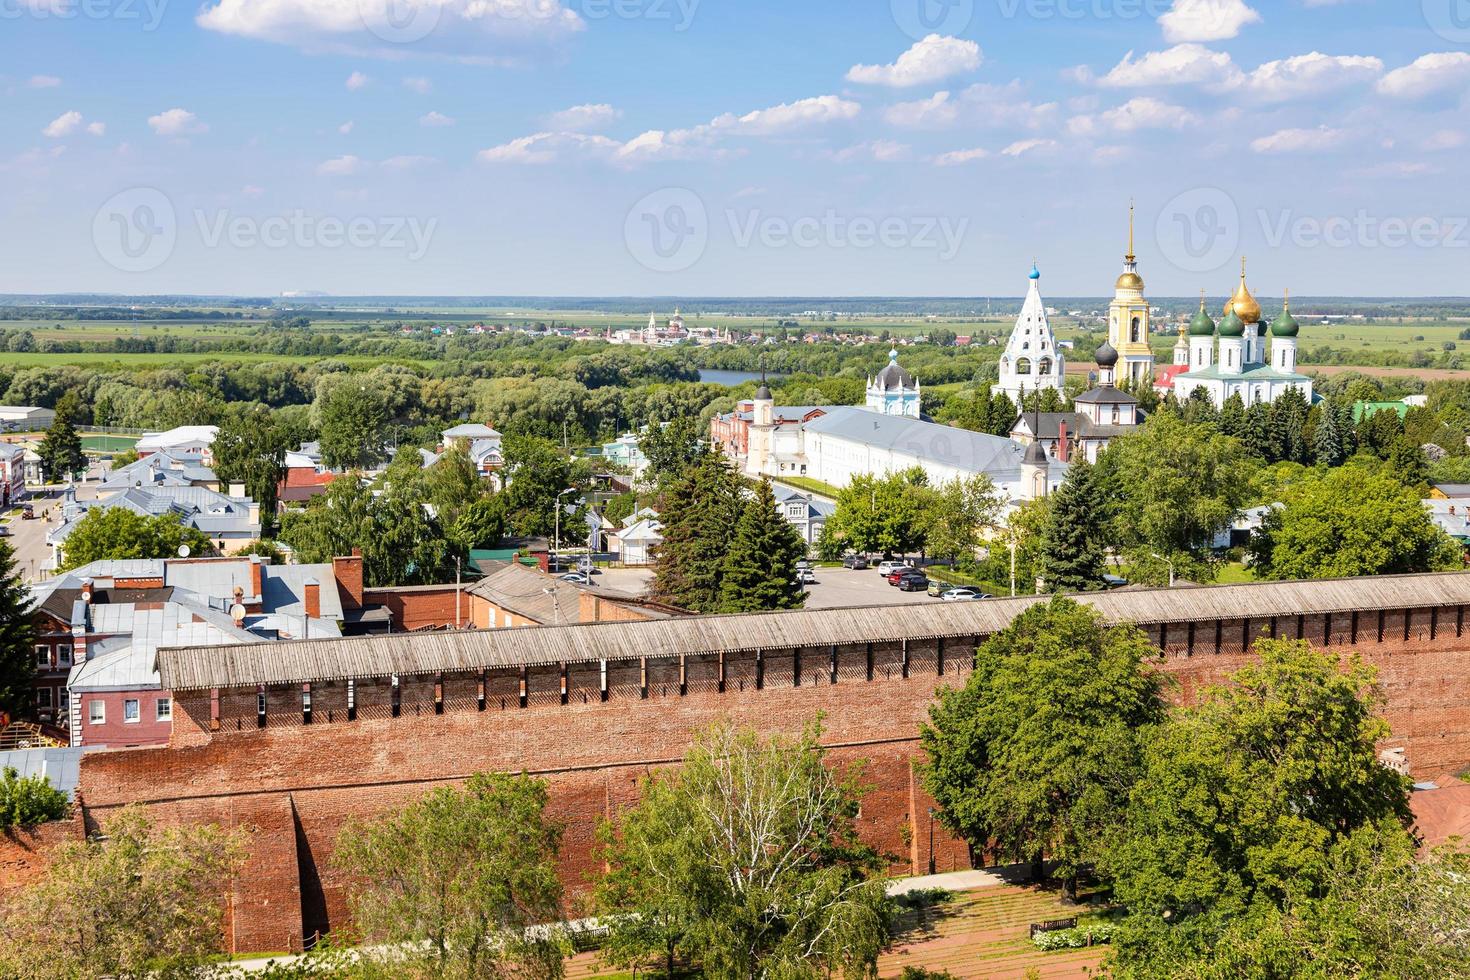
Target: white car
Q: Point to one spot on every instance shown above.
(963, 595)
(887, 568)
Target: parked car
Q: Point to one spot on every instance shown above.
(806, 576)
(897, 573)
(27, 512)
(855, 562)
(1114, 581)
(577, 578)
(938, 588)
(887, 568)
(913, 582)
(802, 563)
(964, 594)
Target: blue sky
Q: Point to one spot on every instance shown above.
(706, 147)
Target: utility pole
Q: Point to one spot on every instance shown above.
(458, 623)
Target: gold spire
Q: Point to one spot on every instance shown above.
(1286, 303)
(1130, 256)
(1130, 279)
(1243, 304)
(1202, 299)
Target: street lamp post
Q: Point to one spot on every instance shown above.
(1170, 563)
(556, 527)
(931, 840)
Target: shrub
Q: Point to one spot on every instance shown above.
(1088, 935)
(29, 801)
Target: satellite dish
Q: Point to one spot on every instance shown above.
(237, 613)
(183, 551)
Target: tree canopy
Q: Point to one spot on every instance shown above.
(106, 533)
(17, 639)
(759, 571)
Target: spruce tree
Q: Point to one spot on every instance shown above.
(1258, 437)
(61, 447)
(698, 511)
(759, 570)
(1071, 544)
(1328, 448)
(17, 639)
(1232, 416)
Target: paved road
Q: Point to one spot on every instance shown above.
(835, 587)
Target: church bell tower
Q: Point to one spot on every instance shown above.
(1128, 320)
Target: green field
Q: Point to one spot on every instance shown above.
(135, 362)
(94, 443)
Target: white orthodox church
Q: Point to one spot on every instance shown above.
(1031, 361)
(893, 391)
(1231, 358)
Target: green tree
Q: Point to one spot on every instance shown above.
(1036, 754)
(138, 902)
(29, 801)
(954, 516)
(1329, 446)
(759, 571)
(17, 639)
(110, 533)
(1258, 438)
(1173, 486)
(480, 525)
(1354, 520)
(61, 447)
(250, 448)
(671, 446)
(400, 543)
(1408, 463)
(1232, 416)
(536, 472)
(746, 862)
(1072, 553)
(1242, 799)
(353, 421)
(459, 877)
(698, 510)
(882, 514)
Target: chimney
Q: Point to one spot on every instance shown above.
(87, 583)
(257, 587)
(348, 573)
(1064, 448)
(313, 599)
(236, 490)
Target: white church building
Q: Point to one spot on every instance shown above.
(1231, 358)
(1031, 361)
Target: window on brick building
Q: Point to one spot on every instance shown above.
(43, 697)
(164, 708)
(63, 655)
(64, 704)
(43, 655)
(96, 712)
(130, 710)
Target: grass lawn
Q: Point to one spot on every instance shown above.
(1234, 573)
(108, 444)
(809, 485)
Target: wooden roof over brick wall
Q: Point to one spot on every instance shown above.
(290, 662)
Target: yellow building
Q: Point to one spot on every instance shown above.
(1128, 321)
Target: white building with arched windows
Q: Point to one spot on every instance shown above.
(1031, 361)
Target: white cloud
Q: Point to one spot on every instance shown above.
(882, 151)
(1183, 64)
(346, 127)
(1429, 75)
(484, 31)
(980, 104)
(1206, 20)
(1141, 113)
(63, 125)
(407, 162)
(176, 122)
(97, 128)
(1300, 140)
(419, 84)
(788, 116)
(43, 81)
(1022, 147)
(540, 148)
(928, 61)
(955, 158)
(356, 81)
(1444, 139)
(344, 166)
(1310, 74)
(583, 118)
(435, 118)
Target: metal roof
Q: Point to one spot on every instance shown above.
(962, 449)
(409, 654)
(60, 766)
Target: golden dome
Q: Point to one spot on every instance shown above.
(1130, 280)
(1243, 304)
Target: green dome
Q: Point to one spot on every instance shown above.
(1232, 326)
(1285, 325)
(1202, 325)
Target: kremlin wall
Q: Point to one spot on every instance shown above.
(292, 740)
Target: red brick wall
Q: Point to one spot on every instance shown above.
(419, 606)
(593, 752)
(116, 733)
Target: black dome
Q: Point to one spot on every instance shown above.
(1106, 356)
